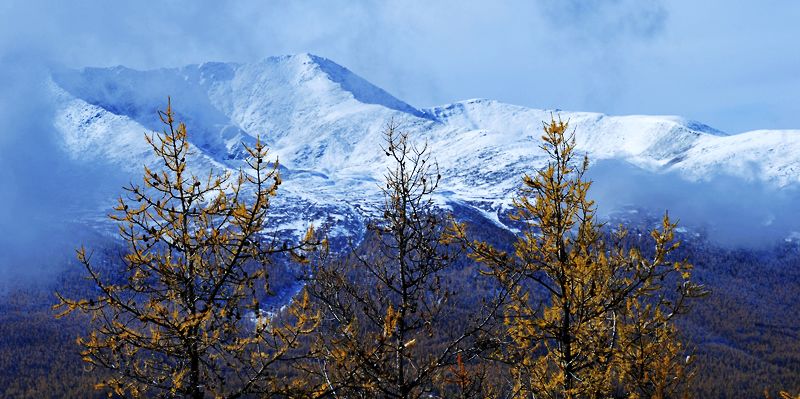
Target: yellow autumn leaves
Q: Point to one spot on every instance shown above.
(576, 313)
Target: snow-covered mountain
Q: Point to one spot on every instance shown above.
(325, 124)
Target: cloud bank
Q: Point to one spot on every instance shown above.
(730, 210)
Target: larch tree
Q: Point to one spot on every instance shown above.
(589, 315)
(181, 313)
(781, 395)
(386, 305)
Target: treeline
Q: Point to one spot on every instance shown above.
(746, 333)
(735, 355)
(426, 306)
(38, 355)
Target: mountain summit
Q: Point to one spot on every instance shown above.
(324, 123)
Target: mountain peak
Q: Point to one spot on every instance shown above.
(324, 123)
(308, 65)
(316, 113)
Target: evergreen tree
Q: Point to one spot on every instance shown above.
(181, 314)
(588, 317)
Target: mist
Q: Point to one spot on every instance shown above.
(44, 190)
(621, 56)
(732, 211)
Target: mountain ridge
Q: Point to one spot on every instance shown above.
(325, 124)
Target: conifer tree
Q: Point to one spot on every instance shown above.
(588, 316)
(181, 314)
(385, 307)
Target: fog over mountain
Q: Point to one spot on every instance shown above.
(324, 123)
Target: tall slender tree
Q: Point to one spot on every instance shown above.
(588, 316)
(181, 314)
(386, 304)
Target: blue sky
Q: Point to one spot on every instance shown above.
(729, 63)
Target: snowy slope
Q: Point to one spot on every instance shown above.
(324, 123)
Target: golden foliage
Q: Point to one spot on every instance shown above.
(181, 314)
(781, 395)
(605, 323)
(384, 306)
